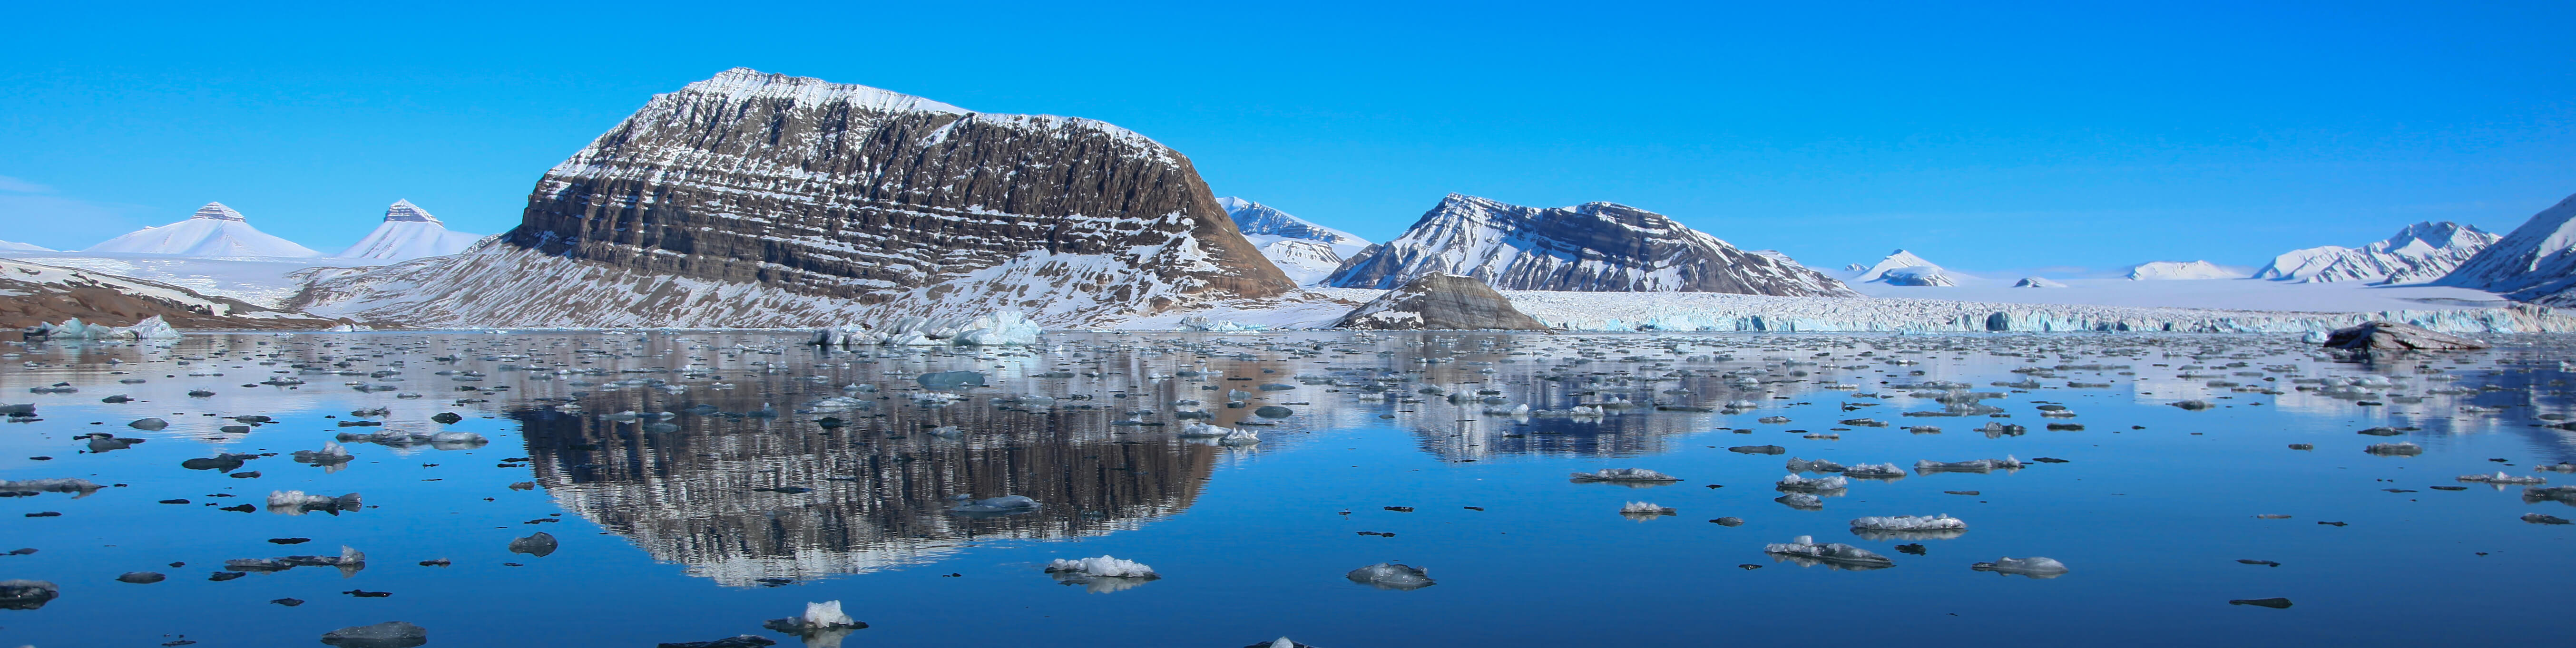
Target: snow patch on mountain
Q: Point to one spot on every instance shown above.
(214, 231)
(1597, 246)
(1306, 251)
(409, 232)
(1902, 268)
(10, 246)
(2181, 270)
(2535, 263)
(2038, 282)
(2421, 252)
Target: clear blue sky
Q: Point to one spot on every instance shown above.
(1982, 135)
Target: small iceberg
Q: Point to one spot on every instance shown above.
(1390, 576)
(1806, 552)
(2033, 567)
(78, 487)
(994, 506)
(1909, 523)
(2394, 449)
(1626, 475)
(1643, 511)
(296, 502)
(1797, 465)
(539, 544)
(821, 621)
(1875, 471)
(2502, 479)
(390, 634)
(1927, 466)
(1812, 484)
(1101, 575)
(1801, 501)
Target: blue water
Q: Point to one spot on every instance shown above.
(662, 538)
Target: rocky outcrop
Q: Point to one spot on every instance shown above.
(2421, 252)
(2535, 263)
(757, 199)
(1440, 301)
(1589, 247)
(32, 294)
(2396, 336)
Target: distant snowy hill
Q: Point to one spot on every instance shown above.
(2421, 252)
(215, 231)
(1597, 246)
(409, 232)
(6, 246)
(2170, 270)
(1306, 251)
(1902, 268)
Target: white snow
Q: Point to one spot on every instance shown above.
(409, 232)
(1622, 474)
(1513, 246)
(9, 246)
(2181, 270)
(1909, 523)
(215, 231)
(2537, 261)
(2038, 282)
(2421, 252)
(1902, 268)
(2035, 567)
(1102, 566)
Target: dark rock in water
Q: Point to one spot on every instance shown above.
(447, 418)
(148, 424)
(288, 602)
(1596, 246)
(390, 634)
(141, 577)
(26, 594)
(540, 545)
(736, 641)
(2397, 336)
(2276, 603)
(222, 576)
(947, 380)
(1728, 521)
(829, 203)
(1759, 449)
(1440, 301)
(1273, 411)
(2543, 518)
(2265, 563)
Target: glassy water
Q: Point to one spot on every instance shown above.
(698, 483)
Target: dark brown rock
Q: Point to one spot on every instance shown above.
(1440, 301)
(2397, 336)
(1596, 246)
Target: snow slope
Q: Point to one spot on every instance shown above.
(409, 232)
(1306, 251)
(263, 281)
(2536, 263)
(2421, 252)
(7, 246)
(1593, 246)
(1902, 268)
(37, 292)
(2181, 270)
(215, 231)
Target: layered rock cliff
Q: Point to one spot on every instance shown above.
(754, 199)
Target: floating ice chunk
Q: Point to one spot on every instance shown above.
(1102, 566)
(457, 440)
(1875, 471)
(2501, 478)
(1642, 511)
(1773, 420)
(1004, 505)
(2544, 493)
(1240, 438)
(330, 454)
(1909, 523)
(1812, 484)
(999, 329)
(539, 544)
(1801, 501)
(1198, 430)
(1624, 475)
(1797, 465)
(1805, 551)
(2394, 449)
(2543, 518)
(390, 634)
(1391, 576)
(78, 487)
(2557, 467)
(2193, 405)
(1928, 466)
(820, 621)
(2033, 567)
(296, 502)
(19, 594)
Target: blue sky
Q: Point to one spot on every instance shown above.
(1983, 136)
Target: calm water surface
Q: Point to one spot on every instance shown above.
(675, 527)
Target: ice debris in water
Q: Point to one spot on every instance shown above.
(1004, 505)
(1797, 465)
(2500, 478)
(819, 619)
(1909, 523)
(331, 454)
(1807, 552)
(996, 329)
(1625, 475)
(1102, 566)
(2394, 449)
(78, 487)
(1874, 471)
(1812, 484)
(539, 544)
(1642, 511)
(2559, 493)
(1928, 466)
(390, 634)
(2033, 567)
(1391, 576)
(1801, 501)
(296, 502)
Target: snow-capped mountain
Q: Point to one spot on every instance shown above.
(1306, 251)
(2038, 282)
(2421, 252)
(754, 199)
(1902, 268)
(2534, 263)
(1595, 246)
(8, 246)
(2165, 270)
(409, 232)
(215, 231)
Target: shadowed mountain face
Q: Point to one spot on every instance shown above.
(1595, 246)
(806, 202)
(881, 487)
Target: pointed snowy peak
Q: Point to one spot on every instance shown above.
(1306, 251)
(2037, 282)
(217, 211)
(1903, 268)
(1259, 219)
(2171, 270)
(2420, 252)
(404, 211)
(1595, 246)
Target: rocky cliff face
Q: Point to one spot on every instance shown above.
(830, 201)
(2421, 252)
(1441, 301)
(1589, 247)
